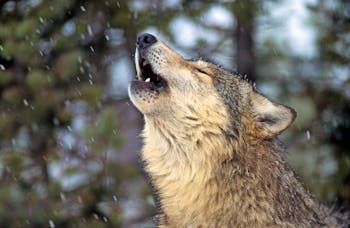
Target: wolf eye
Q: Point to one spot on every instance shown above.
(201, 71)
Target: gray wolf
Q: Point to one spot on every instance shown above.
(210, 147)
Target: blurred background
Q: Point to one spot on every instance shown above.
(69, 136)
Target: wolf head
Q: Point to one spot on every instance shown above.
(184, 93)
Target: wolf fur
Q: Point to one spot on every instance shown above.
(211, 149)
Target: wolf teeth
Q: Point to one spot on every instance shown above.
(148, 80)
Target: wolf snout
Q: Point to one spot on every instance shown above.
(145, 40)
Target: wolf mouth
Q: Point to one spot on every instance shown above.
(146, 74)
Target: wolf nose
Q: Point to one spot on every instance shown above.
(145, 40)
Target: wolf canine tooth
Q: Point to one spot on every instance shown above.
(148, 80)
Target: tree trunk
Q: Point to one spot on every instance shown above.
(244, 11)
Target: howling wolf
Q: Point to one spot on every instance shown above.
(211, 150)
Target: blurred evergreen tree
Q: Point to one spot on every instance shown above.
(55, 127)
(245, 13)
(333, 98)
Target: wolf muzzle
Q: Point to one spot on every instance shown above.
(147, 79)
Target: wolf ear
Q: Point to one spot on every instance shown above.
(269, 116)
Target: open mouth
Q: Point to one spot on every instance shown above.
(152, 80)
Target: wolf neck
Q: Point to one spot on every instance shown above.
(180, 165)
(180, 151)
(239, 183)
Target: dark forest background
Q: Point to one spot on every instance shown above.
(69, 139)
